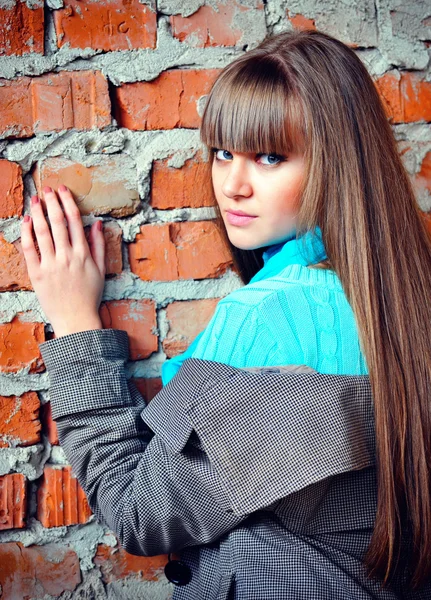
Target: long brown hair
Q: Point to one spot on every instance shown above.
(305, 88)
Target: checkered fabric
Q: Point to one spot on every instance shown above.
(262, 479)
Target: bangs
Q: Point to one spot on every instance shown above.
(251, 108)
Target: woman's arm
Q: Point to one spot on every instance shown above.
(215, 445)
(155, 499)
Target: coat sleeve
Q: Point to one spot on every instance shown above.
(155, 500)
(216, 444)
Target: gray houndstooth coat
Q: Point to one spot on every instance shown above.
(263, 479)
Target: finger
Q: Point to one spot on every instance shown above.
(28, 246)
(57, 221)
(41, 229)
(97, 245)
(74, 219)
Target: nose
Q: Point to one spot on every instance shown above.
(237, 182)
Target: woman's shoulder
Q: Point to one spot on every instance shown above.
(311, 275)
(292, 278)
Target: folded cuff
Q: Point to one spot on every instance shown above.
(92, 361)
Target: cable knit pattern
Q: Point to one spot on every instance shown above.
(326, 328)
(298, 320)
(294, 315)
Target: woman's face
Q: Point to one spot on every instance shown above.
(265, 186)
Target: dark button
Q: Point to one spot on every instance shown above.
(178, 572)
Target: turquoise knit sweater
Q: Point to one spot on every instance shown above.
(287, 314)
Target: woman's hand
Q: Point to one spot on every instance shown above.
(69, 276)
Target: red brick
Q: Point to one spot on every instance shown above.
(60, 499)
(186, 319)
(423, 178)
(167, 102)
(407, 97)
(148, 387)
(113, 25)
(209, 27)
(300, 22)
(19, 346)
(37, 571)
(113, 244)
(54, 102)
(138, 318)
(100, 189)
(49, 426)
(115, 563)
(11, 190)
(19, 416)
(13, 501)
(22, 29)
(188, 186)
(13, 268)
(189, 250)
(113, 235)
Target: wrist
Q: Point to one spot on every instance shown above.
(78, 327)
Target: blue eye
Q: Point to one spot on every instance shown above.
(223, 154)
(277, 157)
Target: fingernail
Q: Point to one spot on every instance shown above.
(47, 189)
(62, 188)
(34, 199)
(26, 218)
(99, 225)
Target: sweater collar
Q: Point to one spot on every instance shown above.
(278, 256)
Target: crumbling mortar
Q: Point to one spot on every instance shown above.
(120, 66)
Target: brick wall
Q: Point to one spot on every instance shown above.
(106, 98)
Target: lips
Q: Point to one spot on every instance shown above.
(240, 213)
(239, 218)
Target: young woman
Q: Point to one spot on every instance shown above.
(325, 231)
